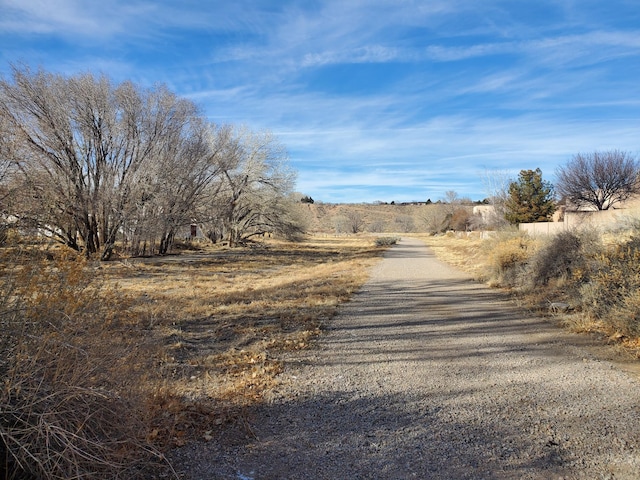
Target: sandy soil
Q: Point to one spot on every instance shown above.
(426, 374)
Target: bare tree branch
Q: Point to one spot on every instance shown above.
(599, 180)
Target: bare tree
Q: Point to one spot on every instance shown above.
(7, 162)
(101, 163)
(181, 178)
(255, 194)
(434, 218)
(355, 220)
(340, 224)
(600, 179)
(85, 146)
(7, 186)
(451, 197)
(496, 184)
(405, 223)
(377, 226)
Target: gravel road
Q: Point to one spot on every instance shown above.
(426, 374)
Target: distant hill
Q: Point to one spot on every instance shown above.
(378, 218)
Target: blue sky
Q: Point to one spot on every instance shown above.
(375, 100)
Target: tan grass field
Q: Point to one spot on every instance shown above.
(222, 320)
(466, 252)
(124, 358)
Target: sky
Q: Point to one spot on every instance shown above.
(378, 100)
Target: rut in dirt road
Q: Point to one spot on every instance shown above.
(427, 374)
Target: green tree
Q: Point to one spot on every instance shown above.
(530, 198)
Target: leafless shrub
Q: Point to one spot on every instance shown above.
(405, 223)
(435, 219)
(377, 226)
(563, 257)
(69, 402)
(349, 221)
(385, 241)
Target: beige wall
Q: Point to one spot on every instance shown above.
(542, 228)
(577, 219)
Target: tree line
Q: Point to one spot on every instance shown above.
(93, 164)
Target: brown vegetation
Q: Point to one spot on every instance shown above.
(225, 316)
(388, 218)
(105, 364)
(71, 359)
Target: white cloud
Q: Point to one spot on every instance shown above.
(70, 18)
(467, 86)
(367, 54)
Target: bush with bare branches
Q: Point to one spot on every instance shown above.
(69, 402)
(563, 257)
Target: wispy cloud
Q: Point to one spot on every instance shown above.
(367, 54)
(71, 18)
(373, 98)
(450, 54)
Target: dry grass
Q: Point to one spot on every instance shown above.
(104, 363)
(224, 320)
(70, 398)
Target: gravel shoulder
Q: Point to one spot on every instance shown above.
(426, 374)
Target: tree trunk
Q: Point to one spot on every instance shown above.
(166, 242)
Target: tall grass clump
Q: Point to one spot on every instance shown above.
(612, 295)
(69, 400)
(508, 253)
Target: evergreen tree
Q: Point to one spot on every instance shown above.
(530, 198)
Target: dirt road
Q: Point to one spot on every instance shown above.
(426, 374)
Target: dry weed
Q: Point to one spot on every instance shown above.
(103, 360)
(69, 402)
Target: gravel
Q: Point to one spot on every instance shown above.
(426, 374)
